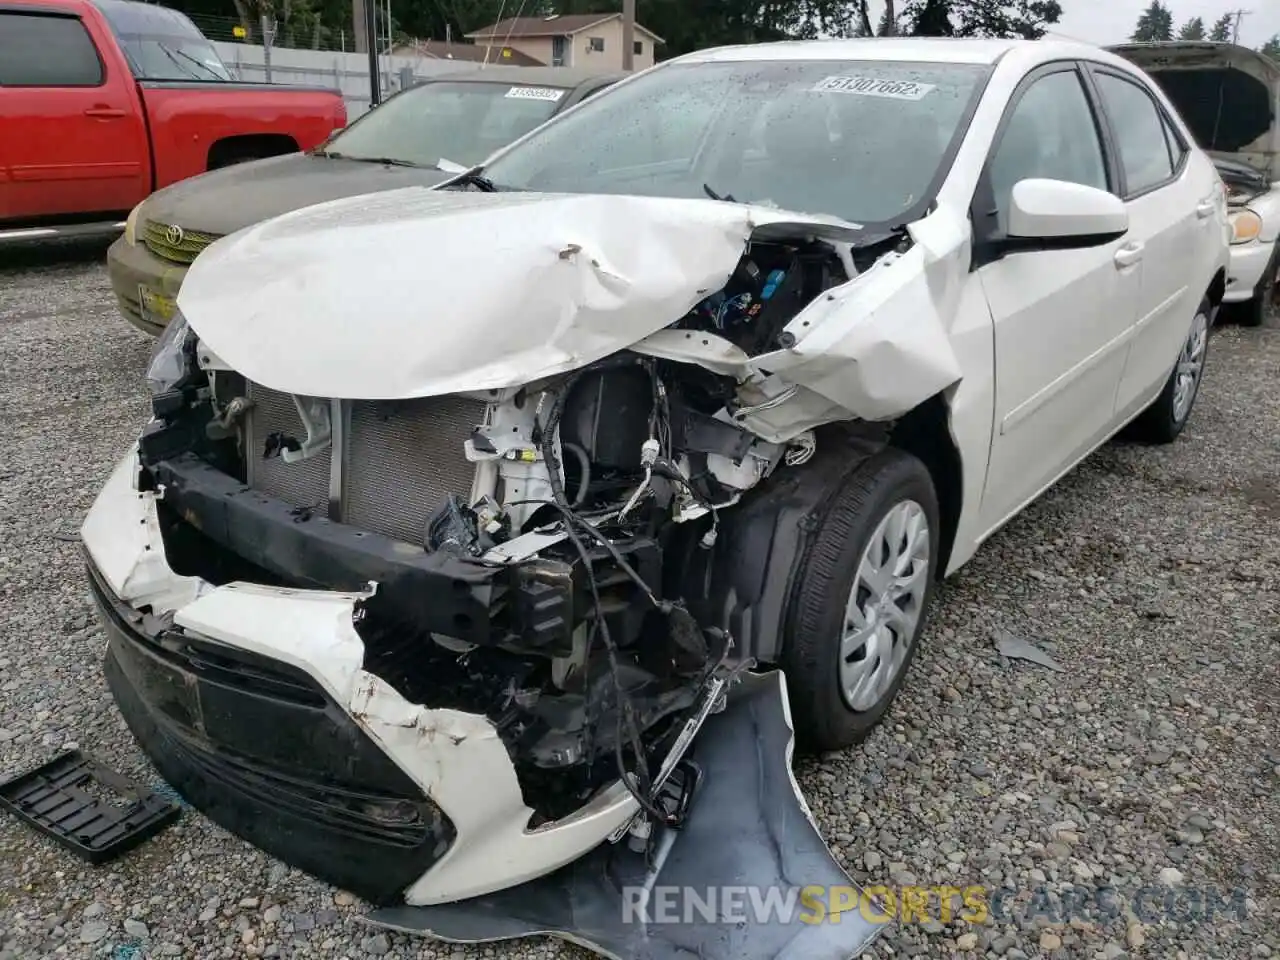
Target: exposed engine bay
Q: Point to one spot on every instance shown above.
(586, 627)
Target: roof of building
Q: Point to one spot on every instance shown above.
(556, 25)
(469, 53)
(567, 77)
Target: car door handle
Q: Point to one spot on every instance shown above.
(1129, 254)
(1205, 209)
(104, 113)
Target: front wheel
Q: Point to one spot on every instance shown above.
(1164, 419)
(864, 589)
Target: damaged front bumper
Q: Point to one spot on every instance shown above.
(253, 701)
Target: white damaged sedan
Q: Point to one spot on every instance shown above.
(468, 518)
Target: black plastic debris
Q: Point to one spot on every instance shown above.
(88, 808)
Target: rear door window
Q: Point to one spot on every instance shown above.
(39, 50)
(1140, 134)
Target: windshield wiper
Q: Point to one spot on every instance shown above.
(727, 198)
(474, 178)
(388, 161)
(173, 55)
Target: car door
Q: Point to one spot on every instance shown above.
(1062, 314)
(71, 137)
(1171, 210)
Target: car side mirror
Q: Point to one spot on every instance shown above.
(1059, 214)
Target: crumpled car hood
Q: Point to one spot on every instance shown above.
(417, 292)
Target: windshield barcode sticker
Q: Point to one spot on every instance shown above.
(871, 87)
(535, 93)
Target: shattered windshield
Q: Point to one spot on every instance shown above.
(864, 141)
(160, 57)
(457, 121)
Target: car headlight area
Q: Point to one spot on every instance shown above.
(1246, 225)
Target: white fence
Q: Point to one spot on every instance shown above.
(348, 72)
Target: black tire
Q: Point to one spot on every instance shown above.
(1162, 422)
(811, 656)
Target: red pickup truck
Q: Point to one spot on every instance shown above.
(104, 101)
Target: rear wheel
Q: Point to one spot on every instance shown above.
(1164, 419)
(865, 584)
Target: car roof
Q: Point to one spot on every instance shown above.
(917, 49)
(537, 76)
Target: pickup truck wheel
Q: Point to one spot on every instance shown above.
(864, 586)
(1164, 419)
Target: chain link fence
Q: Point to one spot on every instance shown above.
(314, 55)
(304, 32)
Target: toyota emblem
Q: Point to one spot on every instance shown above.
(173, 235)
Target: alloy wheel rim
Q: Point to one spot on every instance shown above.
(884, 606)
(1190, 367)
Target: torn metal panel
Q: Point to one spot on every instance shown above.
(508, 287)
(879, 345)
(749, 841)
(123, 533)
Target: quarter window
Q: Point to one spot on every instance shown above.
(1051, 135)
(1140, 133)
(46, 51)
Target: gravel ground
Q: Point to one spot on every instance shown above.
(1151, 575)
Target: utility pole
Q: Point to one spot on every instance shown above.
(1235, 31)
(359, 31)
(371, 33)
(628, 34)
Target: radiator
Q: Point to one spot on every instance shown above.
(403, 458)
(399, 459)
(302, 484)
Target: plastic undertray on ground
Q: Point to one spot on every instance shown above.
(749, 834)
(88, 808)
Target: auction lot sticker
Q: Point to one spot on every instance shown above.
(535, 93)
(872, 87)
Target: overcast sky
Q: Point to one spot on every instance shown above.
(1111, 21)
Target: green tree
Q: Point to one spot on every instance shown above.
(1220, 32)
(981, 18)
(1155, 24)
(1271, 48)
(1193, 29)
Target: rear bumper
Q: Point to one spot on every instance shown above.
(342, 729)
(131, 265)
